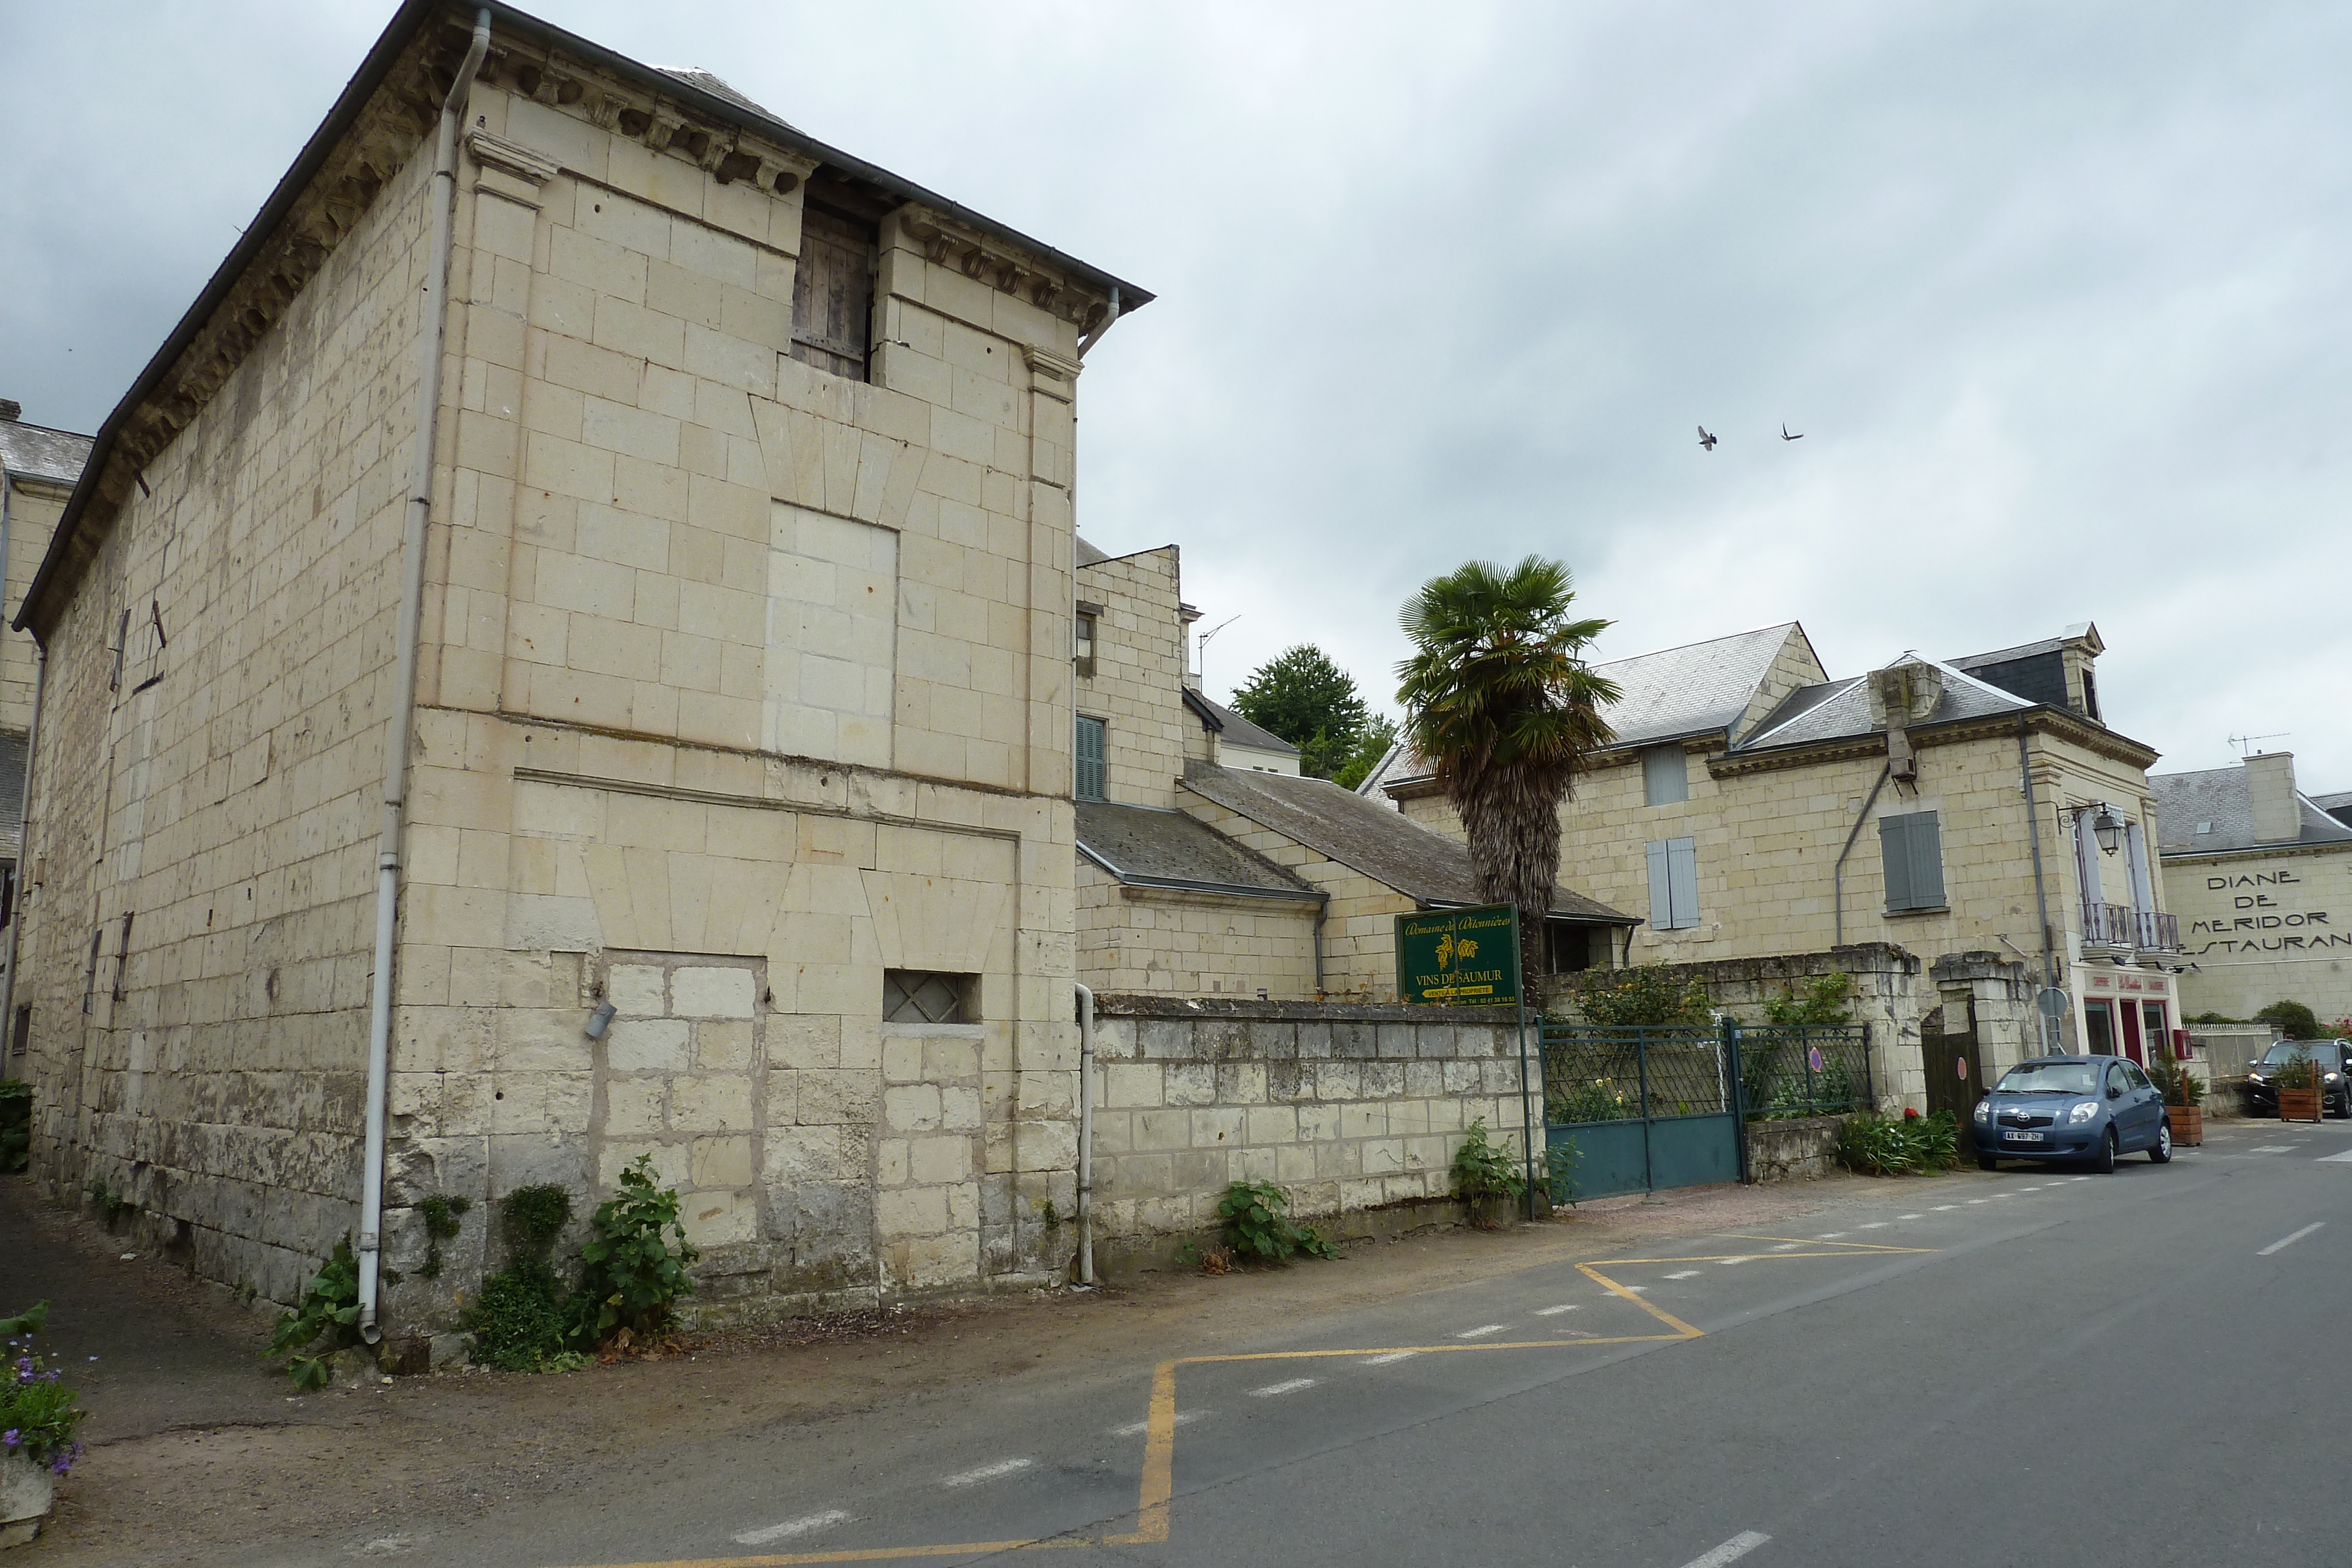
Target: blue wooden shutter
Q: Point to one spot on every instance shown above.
(1662, 901)
(1681, 879)
(1090, 780)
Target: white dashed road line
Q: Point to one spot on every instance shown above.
(1731, 1551)
(2344, 1158)
(1786, 1246)
(792, 1527)
(1730, 1262)
(1942, 1206)
(1555, 1311)
(1292, 1386)
(1910, 1217)
(1136, 1428)
(1683, 1274)
(1829, 1236)
(1394, 1356)
(2273, 1149)
(987, 1473)
(1482, 1330)
(2284, 1242)
(1874, 1225)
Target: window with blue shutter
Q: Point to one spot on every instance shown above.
(1673, 884)
(1912, 847)
(1089, 751)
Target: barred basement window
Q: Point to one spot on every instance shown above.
(923, 996)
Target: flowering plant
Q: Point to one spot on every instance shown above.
(38, 1413)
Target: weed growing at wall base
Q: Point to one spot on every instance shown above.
(1899, 1146)
(1484, 1169)
(326, 1321)
(1258, 1223)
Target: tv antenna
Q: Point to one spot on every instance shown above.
(1201, 652)
(2243, 741)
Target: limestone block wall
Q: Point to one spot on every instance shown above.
(34, 508)
(1347, 1108)
(202, 828)
(1359, 919)
(1768, 832)
(1170, 942)
(1136, 687)
(2266, 927)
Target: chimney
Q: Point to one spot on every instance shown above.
(2270, 780)
(11, 410)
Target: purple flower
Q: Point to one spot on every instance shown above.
(11, 1437)
(64, 1463)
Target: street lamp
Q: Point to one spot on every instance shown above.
(2109, 831)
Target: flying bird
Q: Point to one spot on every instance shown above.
(1705, 439)
(1785, 436)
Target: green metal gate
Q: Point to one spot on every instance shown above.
(1638, 1109)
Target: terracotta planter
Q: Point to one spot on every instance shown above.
(28, 1492)
(2298, 1105)
(2187, 1125)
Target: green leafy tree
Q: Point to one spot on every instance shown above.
(1379, 733)
(2291, 1020)
(1308, 701)
(1497, 695)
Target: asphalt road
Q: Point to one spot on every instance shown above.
(2039, 1367)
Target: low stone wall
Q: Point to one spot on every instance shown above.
(1355, 1111)
(1800, 1150)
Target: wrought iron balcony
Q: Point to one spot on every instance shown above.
(2118, 926)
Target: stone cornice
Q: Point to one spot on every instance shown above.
(989, 259)
(2051, 722)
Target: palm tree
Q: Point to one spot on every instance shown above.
(1499, 698)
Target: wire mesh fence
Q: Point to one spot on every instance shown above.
(1593, 1075)
(1789, 1071)
(1621, 1074)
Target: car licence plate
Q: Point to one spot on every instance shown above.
(2014, 1137)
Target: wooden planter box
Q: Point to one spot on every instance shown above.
(2298, 1105)
(2187, 1125)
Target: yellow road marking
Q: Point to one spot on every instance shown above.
(1158, 1486)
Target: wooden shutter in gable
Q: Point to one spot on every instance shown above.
(832, 293)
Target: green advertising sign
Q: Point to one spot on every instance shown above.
(1468, 957)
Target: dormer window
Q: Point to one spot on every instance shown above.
(2091, 697)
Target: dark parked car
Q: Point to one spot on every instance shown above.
(2334, 1058)
(2071, 1108)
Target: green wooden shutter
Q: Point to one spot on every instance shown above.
(1927, 862)
(1894, 852)
(1089, 753)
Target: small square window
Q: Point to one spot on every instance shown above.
(926, 996)
(1085, 651)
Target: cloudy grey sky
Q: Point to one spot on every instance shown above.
(2057, 294)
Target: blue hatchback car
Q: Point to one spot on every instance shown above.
(2089, 1108)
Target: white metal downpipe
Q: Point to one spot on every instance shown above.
(1091, 339)
(1085, 1135)
(399, 732)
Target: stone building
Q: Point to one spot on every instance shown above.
(2260, 877)
(39, 467)
(1206, 866)
(736, 477)
(1755, 807)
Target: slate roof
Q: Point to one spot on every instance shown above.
(1664, 695)
(1088, 554)
(1140, 841)
(1366, 836)
(2220, 796)
(2336, 806)
(1690, 690)
(37, 451)
(717, 87)
(1233, 728)
(1841, 710)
